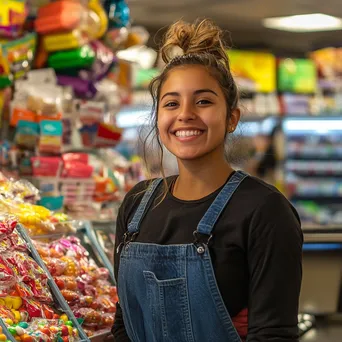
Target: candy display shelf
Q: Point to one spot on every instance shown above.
(101, 292)
(313, 170)
(13, 332)
(87, 230)
(54, 288)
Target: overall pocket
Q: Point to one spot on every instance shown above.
(169, 309)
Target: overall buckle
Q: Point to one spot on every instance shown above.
(199, 244)
(127, 238)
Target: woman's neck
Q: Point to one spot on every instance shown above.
(200, 178)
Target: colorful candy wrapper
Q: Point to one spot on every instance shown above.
(13, 14)
(20, 54)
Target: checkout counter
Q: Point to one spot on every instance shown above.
(321, 293)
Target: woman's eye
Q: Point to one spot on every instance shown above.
(170, 104)
(203, 102)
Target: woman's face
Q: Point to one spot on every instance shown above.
(192, 114)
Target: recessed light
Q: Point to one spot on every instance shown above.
(304, 23)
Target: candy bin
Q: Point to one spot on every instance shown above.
(86, 287)
(28, 311)
(18, 198)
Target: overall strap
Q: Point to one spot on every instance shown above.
(145, 203)
(210, 218)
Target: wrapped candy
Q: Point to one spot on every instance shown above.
(71, 297)
(107, 320)
(118, 13)
(33, 308)
(66, 282)
(7, 225)
(55, 266)
(90, 316)
(83, 284)
(7, 276)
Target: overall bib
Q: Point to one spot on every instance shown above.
(168, 293)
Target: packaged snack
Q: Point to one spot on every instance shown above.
(21, 114)
(76, 157)
(77, 170)
(46, 166)
(42, 78)
(65, 41)
(101, 135)
(100, 66)
(90, 112)
(59, 16)
(81, 88)
(20, 54)
(12, 17)
(82, 57)
(27, 134)
(50, 140)
(101, 23)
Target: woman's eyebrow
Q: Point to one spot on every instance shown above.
(196, 92)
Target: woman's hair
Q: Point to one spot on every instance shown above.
(199, 43)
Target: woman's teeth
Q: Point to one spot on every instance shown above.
(187, 133)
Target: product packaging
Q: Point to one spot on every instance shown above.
(82, 57)
(50, 140)
(13, 14)
(59, 16)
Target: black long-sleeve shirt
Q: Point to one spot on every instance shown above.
(256, 252)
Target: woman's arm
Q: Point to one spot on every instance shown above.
(275, 269)
(118, 329)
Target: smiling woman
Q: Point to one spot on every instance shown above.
(210, 254)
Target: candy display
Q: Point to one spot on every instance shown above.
(18, 198)
(27, 306)
(83, 284)
(67, 71)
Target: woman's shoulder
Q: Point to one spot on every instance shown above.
(135, 195)
(258, 196)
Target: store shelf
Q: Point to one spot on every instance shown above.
(323, 237)
(334, 228)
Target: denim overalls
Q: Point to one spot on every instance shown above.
(168, 293)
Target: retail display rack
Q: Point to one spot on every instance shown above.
(53, 287)
(313, 169)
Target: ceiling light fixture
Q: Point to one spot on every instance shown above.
(304, 23)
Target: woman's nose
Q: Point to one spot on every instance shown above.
(186, 112)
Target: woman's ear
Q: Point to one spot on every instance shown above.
(233, 120)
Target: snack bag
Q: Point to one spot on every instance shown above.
(50, 140)
(13, 14)
(59, 16)
(27, 134)
(20, 54)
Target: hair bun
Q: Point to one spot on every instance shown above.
(203, 36)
